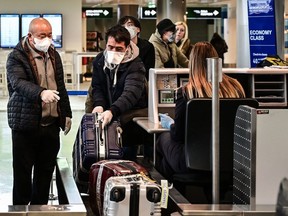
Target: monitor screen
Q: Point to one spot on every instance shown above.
(9, 30)
(56, 22)
(25, 21)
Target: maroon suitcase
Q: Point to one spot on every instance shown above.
(103, 170)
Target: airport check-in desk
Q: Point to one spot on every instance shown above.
(269, 87)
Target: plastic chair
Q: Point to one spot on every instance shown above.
(198, 149)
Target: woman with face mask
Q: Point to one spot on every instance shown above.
(167, 54)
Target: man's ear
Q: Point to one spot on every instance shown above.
(29, 35)
(138, 30)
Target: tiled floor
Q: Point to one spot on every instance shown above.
(77, 105)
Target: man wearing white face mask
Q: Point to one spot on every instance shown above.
(119, 84)
(167, 54)
(38, 107)
(146, 49)
(147, 55)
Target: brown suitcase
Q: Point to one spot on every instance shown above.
(101, 171)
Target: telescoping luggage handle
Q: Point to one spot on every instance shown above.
(101, 137)
(119, 131)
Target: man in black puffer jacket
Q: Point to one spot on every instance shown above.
(38, 107)
(119, 85)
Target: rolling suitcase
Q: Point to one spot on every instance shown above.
(93, 144)
(103, 170)
(131, 195)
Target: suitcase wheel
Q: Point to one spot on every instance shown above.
(117, 194)
(153, 194)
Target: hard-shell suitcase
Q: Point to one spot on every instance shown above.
(103, 170)
(131, 195)
(93, 144)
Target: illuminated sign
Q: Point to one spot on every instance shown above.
(147, 13)
(262, 31)
(98, 12)
(204, 12)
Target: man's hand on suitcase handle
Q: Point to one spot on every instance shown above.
(106, 118)
(98, 109)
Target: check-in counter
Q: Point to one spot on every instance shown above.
(267, 85)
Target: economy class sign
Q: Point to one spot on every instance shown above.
(262, 31)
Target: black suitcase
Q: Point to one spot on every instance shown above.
(93, 144)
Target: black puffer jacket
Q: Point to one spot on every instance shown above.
(24, 105)
(129, 92)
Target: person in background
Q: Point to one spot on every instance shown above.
(146, 49)
(181, 38)
(167, 54)
(147, 55)
(38, 107)
(220, 45)
(119, 86)
(170, 145)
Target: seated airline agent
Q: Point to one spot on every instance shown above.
(170, 145)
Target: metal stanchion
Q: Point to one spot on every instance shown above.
(214, 74)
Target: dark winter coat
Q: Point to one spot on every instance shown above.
(146, 54)
(129, 92)
(24, 105)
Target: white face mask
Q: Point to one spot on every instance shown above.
(171, 37)
(42, 44)
(114, 57)
(132, 30)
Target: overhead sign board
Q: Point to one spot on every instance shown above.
(148, 13)
(262, 30)
(98, 12)
(192, 13)
(204, 12)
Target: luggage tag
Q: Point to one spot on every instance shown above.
(165, 193)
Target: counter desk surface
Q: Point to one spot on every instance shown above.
(266, 70)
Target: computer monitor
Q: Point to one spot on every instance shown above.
(9, 30)
(25, 21)
(56, 21)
